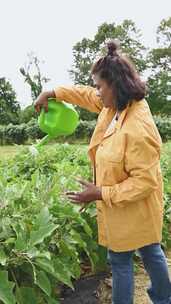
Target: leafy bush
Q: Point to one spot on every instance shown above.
(27, 114)
(20, 134)
(85, 129)
(44, 238)
(164, 126)
(13, 134)
(33, 130)
(166, 169)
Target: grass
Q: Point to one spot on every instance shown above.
(167, 160)
(167, 151)
(10, 151)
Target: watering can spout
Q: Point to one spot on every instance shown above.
(43, 141)
(36, 148)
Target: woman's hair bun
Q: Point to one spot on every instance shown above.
(113, 46)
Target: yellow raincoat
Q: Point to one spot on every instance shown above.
(126, 165)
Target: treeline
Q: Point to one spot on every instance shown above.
(18, 125)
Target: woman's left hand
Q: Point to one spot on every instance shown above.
(90, 193)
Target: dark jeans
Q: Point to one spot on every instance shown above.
(156, 266)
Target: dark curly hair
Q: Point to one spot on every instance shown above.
(117, 70)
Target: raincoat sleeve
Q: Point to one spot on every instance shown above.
(142, 161)
(83, 96)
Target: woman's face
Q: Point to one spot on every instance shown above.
(104, 91)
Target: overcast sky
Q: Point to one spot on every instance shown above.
(50, 28)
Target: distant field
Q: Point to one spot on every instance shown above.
(9, 151)
(167, 156)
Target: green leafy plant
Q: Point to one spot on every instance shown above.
(43, 237)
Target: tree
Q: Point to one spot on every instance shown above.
(9, 106)
(86, 52)
(27, 114)
(159, 82)
(33, 77)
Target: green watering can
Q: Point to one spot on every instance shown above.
(61, 119)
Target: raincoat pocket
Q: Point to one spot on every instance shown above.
(116, 157)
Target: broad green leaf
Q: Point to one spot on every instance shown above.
(10, 241)
(56, 269)
(72, 265)
(43, 282)
(37, 237)
(62, 274)
(35, 253)
(42, 227)
(45, 264)
(77, 239)
(66, 248)
(6, 289)
(43, 217)
(20, 244)
(26, 295)
(87, 228)
(3, 257)
(22, 239)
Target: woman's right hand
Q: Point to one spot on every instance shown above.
(42, 100)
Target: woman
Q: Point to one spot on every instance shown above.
(125, 153)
